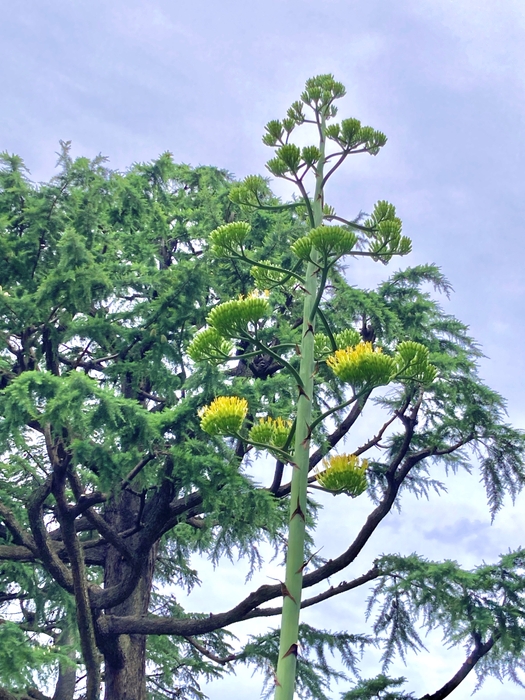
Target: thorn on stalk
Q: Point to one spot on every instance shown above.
(298, 511)
(286, 593)
(308, 436)
(303, 567)
(294, 649)
(310, 329)
(302, 392)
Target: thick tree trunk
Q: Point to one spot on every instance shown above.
(67, 673)
(125, 655)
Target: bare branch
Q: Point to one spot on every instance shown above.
(46, 552)
(17, 531)
(479, 651)
(209, 654)
(325, 595)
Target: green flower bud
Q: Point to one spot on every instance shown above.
(272, 432)
(333, 132)
(347, 338)
(322, 346)
(333, 240)
(412, 363)
(208, 345)
(265, 278)
(229, 238)
(351, 132)
(290, 155)
(277, 167)
(233, 318)
(344, 474)
(274, 132)
(302, 247)
(311, 154)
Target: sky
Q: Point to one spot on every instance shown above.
(444, 79)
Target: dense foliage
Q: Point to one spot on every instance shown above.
(110, 483)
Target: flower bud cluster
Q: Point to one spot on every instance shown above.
(344, 474)
(267, 278)
(233, 318)
(363, 366)
(385, 233)
(323, 346)
(229, 238)
(412, 363)
(330, 241)
(209, 345)
(350, 135)
(269, 431)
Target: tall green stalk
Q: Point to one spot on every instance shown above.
(288, 644)
(355, 363)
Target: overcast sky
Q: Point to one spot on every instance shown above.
(444, 79)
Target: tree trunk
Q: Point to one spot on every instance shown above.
(67, 673)
(125, 655)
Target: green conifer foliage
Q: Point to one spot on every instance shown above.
(162, 327)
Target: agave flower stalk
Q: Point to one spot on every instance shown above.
(359, 365)
(288, 643)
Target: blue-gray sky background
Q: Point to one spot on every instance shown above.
(445, 80)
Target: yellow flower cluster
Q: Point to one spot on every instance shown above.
(224, 416)
(344, 474)
(362, 365)
(271, 431)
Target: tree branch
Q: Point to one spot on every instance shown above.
(480, 650)
(46, 553)
(90, 655)
(13, 552)
(17, 531)
(97, 521)
(210, 655)
(325, 595)
(188, 627)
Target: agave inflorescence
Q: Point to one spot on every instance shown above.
(362, 366)
(354, 362)
(344, 474)
(224, 416)
(234, 318)
(273, 432)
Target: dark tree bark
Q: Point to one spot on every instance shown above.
(67, 673)
(125, 655)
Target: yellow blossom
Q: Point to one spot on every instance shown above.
(224, 416)
(362, 365)
(271, 431)
(344, 474)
